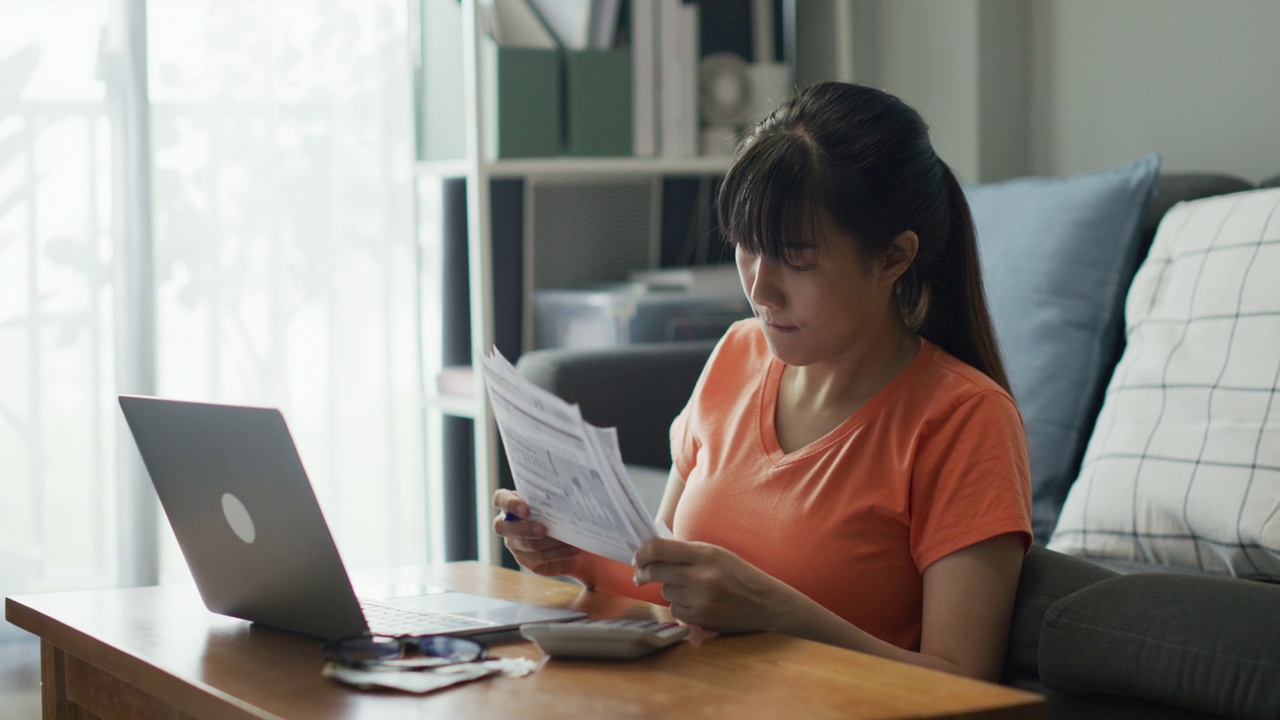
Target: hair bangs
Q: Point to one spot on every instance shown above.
(769, 202)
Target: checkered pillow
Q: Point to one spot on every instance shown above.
(1183, 467)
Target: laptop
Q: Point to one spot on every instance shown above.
(247, 520)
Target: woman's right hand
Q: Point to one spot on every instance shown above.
(528, 541)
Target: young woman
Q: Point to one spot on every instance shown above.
(851, 467)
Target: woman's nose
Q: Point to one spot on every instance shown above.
(760, 283)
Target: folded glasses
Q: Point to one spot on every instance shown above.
(403, 653)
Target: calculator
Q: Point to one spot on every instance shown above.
(612, 639)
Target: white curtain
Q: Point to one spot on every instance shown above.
(278, 266)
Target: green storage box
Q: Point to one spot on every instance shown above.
(522, 102)
(598, 102)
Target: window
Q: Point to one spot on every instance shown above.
(238, 228)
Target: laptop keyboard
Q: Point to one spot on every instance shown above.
(386, 620)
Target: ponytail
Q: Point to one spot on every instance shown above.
(955, 315)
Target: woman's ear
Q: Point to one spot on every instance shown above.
(899, 256)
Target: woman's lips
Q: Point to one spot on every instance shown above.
(779, 327)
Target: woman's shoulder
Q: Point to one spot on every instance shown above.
(951, 382)
(743, 340)
(741, 353)
(951, 404)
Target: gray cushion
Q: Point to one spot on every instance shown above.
(1173, 188)
(1065, 706)
(1047, 577)
(1204, 643)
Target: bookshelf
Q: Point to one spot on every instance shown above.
(484, 224)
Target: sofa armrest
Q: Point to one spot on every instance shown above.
(1047, 577)
(638, 389)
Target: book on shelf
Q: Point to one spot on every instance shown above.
(644, 77)
(678, 61)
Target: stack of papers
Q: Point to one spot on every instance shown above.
(568, 471)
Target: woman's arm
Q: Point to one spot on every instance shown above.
(968, 605)
(968, 602)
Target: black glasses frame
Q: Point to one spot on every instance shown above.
(403, 652)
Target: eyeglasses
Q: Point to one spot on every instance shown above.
(403, 653)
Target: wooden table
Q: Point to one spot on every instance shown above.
(156, 652)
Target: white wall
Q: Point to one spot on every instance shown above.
(916, 36)
(1197, 80)
(1055, 87)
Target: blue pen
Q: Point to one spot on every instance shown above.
(508, 517)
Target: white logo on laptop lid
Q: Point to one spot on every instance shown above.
(238, 517)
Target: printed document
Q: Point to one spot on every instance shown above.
(568, 471)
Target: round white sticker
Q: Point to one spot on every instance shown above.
(238, 517)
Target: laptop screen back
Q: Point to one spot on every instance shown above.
(244, 514)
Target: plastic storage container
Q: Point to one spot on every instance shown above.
(626, 315)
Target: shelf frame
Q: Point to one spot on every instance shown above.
(480, 267)
(578, 167)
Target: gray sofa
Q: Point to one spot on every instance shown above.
(1098, 639)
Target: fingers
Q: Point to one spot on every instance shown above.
(540, 551)
(692, 614)
(545, 557)
(670, 574)
(509, 502)
(518, 528)
(694, 604)
(528, 540)
(664, 550)
(668, 561)
(510, 521)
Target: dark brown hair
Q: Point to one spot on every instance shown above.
(864, 157)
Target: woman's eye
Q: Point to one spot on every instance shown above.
(799, 260)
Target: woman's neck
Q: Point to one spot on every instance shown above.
(847, 382)
(814, 400)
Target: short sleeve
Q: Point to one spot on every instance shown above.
(684, 444)
(685, 439)
(971, 480)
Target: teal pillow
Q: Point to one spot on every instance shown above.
(1057, 257)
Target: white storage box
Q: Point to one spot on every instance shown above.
(630, 314)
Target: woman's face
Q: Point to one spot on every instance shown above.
(821, 303)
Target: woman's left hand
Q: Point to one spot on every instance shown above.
(709, 586)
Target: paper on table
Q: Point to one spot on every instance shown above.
(413, 682)
(569, 472)
(426, 681)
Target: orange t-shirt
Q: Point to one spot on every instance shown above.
(935, 462)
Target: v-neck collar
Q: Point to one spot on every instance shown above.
(769, 407)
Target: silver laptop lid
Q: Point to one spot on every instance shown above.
(248, 523)
(245, 515)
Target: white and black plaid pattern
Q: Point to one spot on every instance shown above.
(1183, 467)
